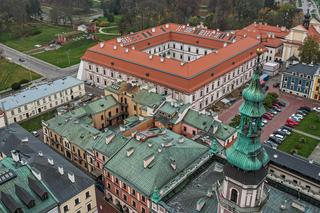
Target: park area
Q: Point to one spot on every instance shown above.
(11, 73)
(34, 39)
(35, 123)
(304, 143)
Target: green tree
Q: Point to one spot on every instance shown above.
(235, 121)
(194, 20)
(309, 51)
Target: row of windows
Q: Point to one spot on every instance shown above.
(77, 202)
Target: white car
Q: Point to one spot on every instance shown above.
(264, 121)
(317, 109)
(280, 137)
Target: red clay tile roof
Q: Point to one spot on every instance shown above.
(170, 72)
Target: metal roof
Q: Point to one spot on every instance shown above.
(37, 92)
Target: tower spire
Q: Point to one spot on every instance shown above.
(247, 152)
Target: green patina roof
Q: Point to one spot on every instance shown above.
(159, 172)
(224, 131)
(247, 152)
(118, 141)
(101, 104)
(149, 99)
(172, 109)
(199, 121)
(23, 172)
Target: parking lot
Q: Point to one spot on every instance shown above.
(293, 103)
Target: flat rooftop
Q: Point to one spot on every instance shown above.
(37, 92)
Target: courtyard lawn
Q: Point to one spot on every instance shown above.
(11, 73)
(301, 144)
(69, 54)
(41, 34)
(34, 123)
(310, 124)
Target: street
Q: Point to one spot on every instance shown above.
(45, 69)
(293, 103)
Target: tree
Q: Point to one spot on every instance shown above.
(194, 20)
(309, 51)
(16, 86)
(1, 53)
(235, 121)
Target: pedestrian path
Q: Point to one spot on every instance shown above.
(307, 134)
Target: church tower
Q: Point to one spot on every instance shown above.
(243, 188)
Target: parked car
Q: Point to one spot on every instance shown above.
(270, 114)
(305, 108)
(281, 103)
(302, 112)
(290, 125)
(280, 133)
(266, 116)
(275, 140)
(285, 131)
(272, 144)
(299, 116)
(35, 133)
(295, 118)
(264, 121)
(292, 122)
(287, 128)
(280, 137)
(273, 111)
(276, 109)
(317, 109)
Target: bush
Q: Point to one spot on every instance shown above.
(16, 86)
(24, 81)
(270, 99)
(102, 23)
(235, 121)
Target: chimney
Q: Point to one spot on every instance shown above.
(167, 26)
(60, 170)
(40, 153)
(153, 29)
(161, 60)
(150, 57)
(50, 161)
(101, 44)
(133, 48)
(15, 156)
(115, 47)
(126, 50)
(71, 177)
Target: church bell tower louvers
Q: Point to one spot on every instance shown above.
(243, 188)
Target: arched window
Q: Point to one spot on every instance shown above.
(234, 195)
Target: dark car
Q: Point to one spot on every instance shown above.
(276, 108)
(274, 139)
(281, 103)
(287, 128)
(305, 108)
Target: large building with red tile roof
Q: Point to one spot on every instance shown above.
(272, 38)
(193, 64)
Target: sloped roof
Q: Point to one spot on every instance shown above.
(198, 120)
(17, 191)
(159, 172)
(118, 141)
(102, 104)
(149, 99)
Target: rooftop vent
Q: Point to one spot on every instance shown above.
(160, 150)
(225, 44)
(149, 145)
(161, 59)
(60, 170)
(71, 177)
(15, 156)
(126, 50)
(181, 140)
(150, 56)
(50, 161)
(133, 48)
(167, 26)
(101, 44)
(115, 47)
(119, 39)
(200, 204)
(275, 156)
(130, 151)
(153, 30)
(40, 153)
(311, 161)
(121, 45)
(181, 63)
(173, 164)
(148, 160)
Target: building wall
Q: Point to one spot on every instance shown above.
(292, 43)
(315, 93)
(147, 124)
(297, 84)
(122, 194)
(84, 202)
(203, 97)
(107, 118)
(44, 104)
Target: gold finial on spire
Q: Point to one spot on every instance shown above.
(259, 51)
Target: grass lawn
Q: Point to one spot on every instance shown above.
(293, 142)
(112, 29)
(310, 124)
(46, 33)
(74, 50)
(11, 73)
(35, 123)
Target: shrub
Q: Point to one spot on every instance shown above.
(235, 121)
(102, 23)
(24, 81)
(16, 86)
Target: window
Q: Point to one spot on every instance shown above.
(133, 192)
(193, 97)
(65, 208)
(234, 195)
(89, 207)
(79, 211)
(143, 210)
(193, 132)
(143, 199)
(117, 191)
(76, 201)
(87, 194)
(125, 197)
(134, 204)
(117, 181)
(101, 117)
(124, 186)
(185, 128)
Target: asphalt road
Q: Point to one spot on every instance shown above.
(45, 69)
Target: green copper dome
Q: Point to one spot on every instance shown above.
(247, 153)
